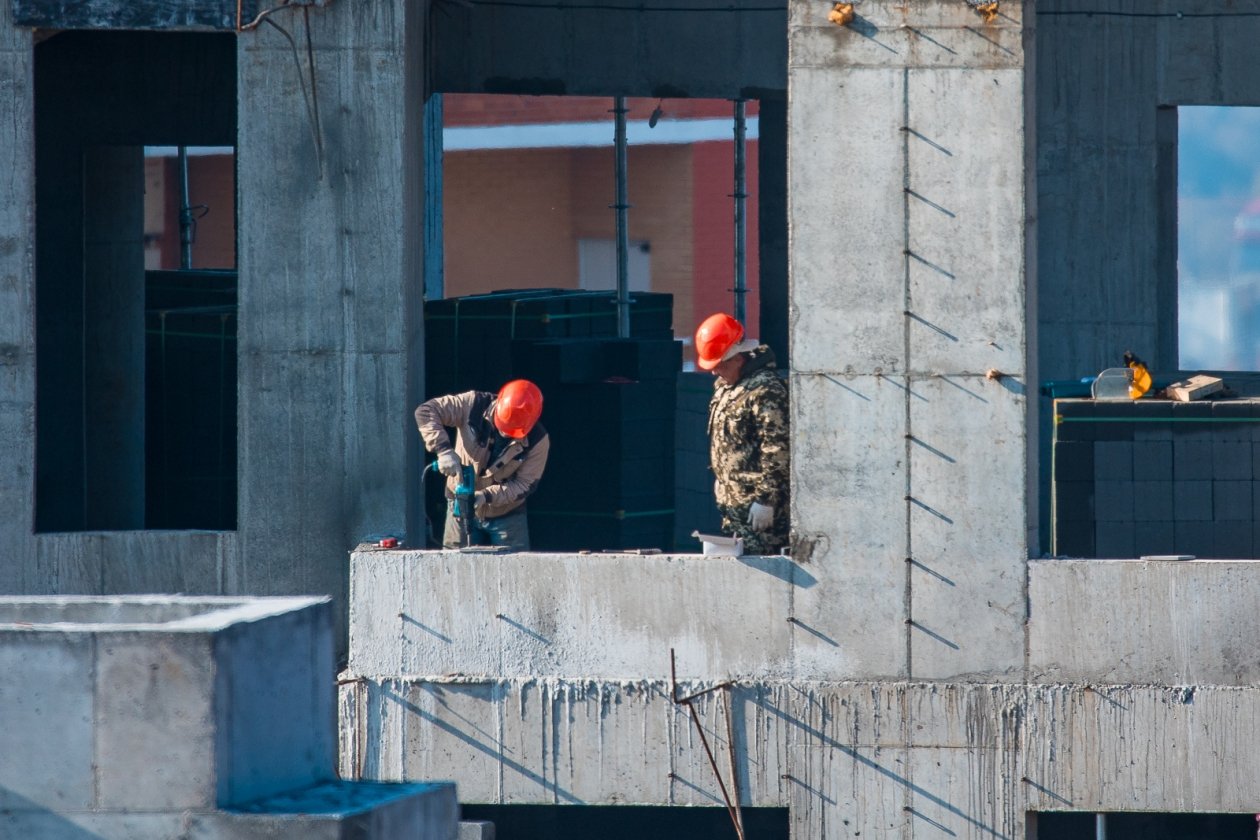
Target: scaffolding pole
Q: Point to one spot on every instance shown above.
(623, 225)
(741, 224)
(185, 213)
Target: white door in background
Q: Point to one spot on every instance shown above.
(597, 264)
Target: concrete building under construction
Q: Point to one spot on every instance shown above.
(957, 201)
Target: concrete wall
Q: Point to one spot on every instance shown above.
(330, 359)
(1107, 86)
(1121, 703)
(17, 302)
(1106, 165)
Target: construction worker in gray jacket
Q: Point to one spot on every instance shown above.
(749, 444)
(499, 436)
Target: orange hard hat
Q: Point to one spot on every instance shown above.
(518, 407)
(715, 336)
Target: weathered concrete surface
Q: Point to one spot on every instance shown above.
(844, 757)
(1156, 622)
(163, 704)
(707, 52)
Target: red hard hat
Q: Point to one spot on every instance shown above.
(716, 335)
(517, 408)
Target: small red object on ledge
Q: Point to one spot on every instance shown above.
(389, 542)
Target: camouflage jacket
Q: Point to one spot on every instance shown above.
(749, 447)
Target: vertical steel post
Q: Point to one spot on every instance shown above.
(741, 225)
(1100, 826)
(623, 225)
(185, 212)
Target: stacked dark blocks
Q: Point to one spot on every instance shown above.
(1154, 477)
(190, 400)
(609, 407)
(695, 508)
(469, 340)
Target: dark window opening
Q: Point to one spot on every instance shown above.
(525, 288)
(1054, 825)
(136, 281)
(625, 822)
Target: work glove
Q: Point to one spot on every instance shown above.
(479, 501)
(760, 516)
(448, 463)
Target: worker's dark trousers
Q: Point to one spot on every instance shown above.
(511, 529)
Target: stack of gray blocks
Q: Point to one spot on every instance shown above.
(1156, 477)
(162, 716)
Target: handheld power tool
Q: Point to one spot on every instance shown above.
(465, 503)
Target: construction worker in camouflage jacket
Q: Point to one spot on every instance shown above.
(749, 445)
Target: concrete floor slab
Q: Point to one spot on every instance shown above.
(1141, 748)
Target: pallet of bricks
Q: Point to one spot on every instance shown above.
(1156, 477)
(608, 404)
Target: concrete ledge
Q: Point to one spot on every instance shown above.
(327, 811)
(607, 615)
(1146, 622)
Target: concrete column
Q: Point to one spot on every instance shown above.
(330, 158)
(113, 337)
(17, 302)
(906, 175)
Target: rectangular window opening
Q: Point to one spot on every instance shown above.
(525, 287)
(1128, 825)
(136, 282)
(624, 822)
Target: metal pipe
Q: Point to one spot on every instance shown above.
(623, 225)
(741, 223)
(1100, 827)
(185, 213)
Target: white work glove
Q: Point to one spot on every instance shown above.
(760, 516)
(479, 500)
(448, 463)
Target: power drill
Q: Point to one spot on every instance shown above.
(465, 503)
